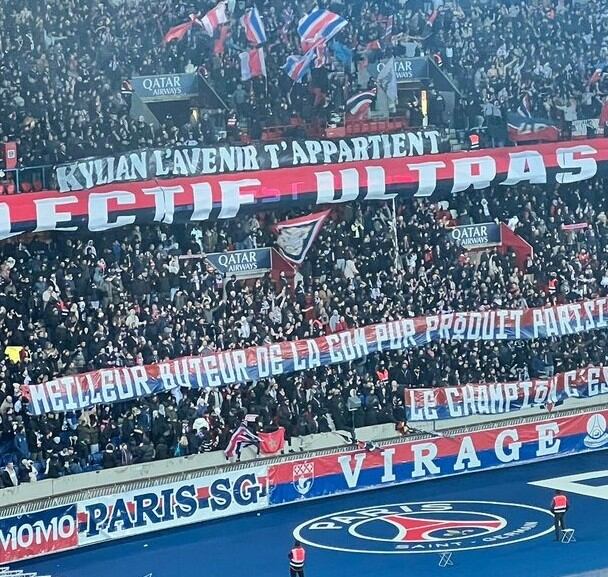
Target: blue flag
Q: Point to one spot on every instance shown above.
(342, 52)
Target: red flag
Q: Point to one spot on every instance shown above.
(219, 45)
(272, 442)
(178, 32)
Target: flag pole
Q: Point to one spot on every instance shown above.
(395, 237)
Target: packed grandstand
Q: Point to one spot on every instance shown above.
(77, 80)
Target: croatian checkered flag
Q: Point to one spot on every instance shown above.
(240, 439)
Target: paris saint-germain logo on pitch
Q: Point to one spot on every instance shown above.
(426, 527)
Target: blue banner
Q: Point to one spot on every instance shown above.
(254, 363)
(499, 398)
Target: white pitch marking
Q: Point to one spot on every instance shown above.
(571, 484)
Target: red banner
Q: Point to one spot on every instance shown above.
(226, 195)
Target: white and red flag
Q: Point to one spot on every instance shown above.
(295, 236)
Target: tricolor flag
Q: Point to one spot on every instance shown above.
(287, 19)
(295, 236)
(320, 55)
(319, 24)
(241, 438)
(254, 27)
(296, 67)
(252, 64)
(359, 104)
(388, 31)
(214, 18)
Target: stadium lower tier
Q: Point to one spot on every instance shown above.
(493, 523)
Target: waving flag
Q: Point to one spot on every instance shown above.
(252, 64)
(254, 27)
(359, 104)
(295, 236)
(179, 31)
(219, 45)
(387, 37)
(241, 438)
(387, 80)
(296, 67)
(319, 24)
(342, 52)
(320, 55)
(525, 128)
(525, 108)
(598, 73)
(214, 18)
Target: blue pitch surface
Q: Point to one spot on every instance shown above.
(251, 545)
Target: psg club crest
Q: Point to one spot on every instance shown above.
(596, 432)
(303, 477)
(426, 527)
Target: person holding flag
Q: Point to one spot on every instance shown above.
(241, 438)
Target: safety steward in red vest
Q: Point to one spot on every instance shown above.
(559, 506)
(297, 556)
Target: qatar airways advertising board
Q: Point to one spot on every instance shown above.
(260, 486)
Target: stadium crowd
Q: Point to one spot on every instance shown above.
(69, 304)
(75, 303)
(63, 63)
